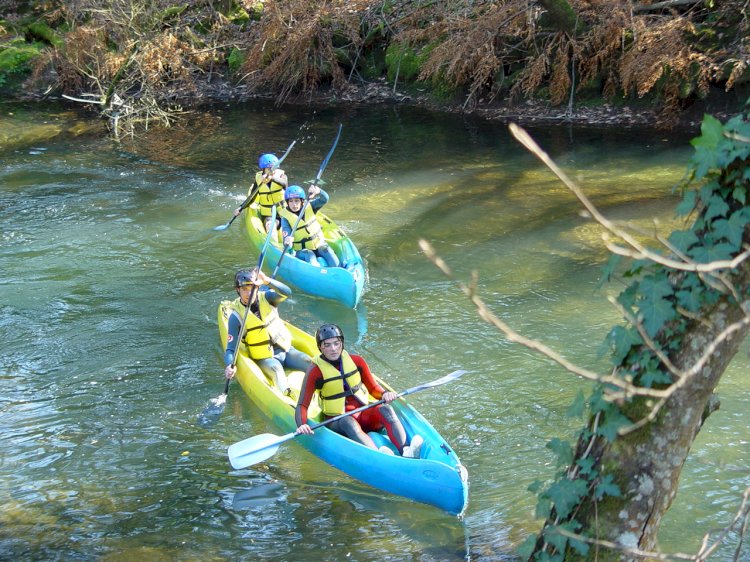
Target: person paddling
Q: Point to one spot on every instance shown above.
(307, 240)
(270, 183)
(268, 340)
(344, 383)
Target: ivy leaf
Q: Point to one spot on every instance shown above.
(535, 486)
(683, 240)
(557, 540)
(563, 450)
(609, 268)
(740, 193)
(566, 494)
(717, 207)
(621, 340)
(547, 557)
(543, 507)
(655, 312)
(525, 549)
(690, 299)
(705, 145)
(655, 286)
(687, 204)
(576, 409)
(733, 228)
(579, 546)
(708, 190)
(613, 421)
(585, 465)
(654, 376)
(606, 487)
(709, 253)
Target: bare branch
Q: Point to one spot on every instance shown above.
(640, 251)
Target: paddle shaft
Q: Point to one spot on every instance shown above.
(442, 380)
(307, 200)
(253, 292)
(261, 447)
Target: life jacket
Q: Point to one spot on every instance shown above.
(270, 193)
(332, 393)
(262, 333)
(309, 235)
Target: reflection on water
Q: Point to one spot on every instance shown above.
(110, 277)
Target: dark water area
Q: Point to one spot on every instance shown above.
(111, 274)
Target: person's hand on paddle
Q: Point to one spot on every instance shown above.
(262, 279)
(237, 211)
(230, 371)
(389, 396)
(279, 176)
(304, 429)
(313, 192)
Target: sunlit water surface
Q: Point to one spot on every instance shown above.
(110, 275)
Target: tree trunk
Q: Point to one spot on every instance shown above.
(623, 478)
(647, 463)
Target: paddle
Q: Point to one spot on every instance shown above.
(250, 198)
(261, 447)
(307, 200)
(215, 406)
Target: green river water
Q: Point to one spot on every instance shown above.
(110, 275)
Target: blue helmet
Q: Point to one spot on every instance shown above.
(294, 192)
(268, 161)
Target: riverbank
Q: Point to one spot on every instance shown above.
(595, 114)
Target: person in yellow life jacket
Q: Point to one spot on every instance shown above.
(308, 242)
(344, 382)
(266, 338)
(268, 187)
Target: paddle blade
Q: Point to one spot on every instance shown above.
(210, 414)
(442, 380)
(222, 226)
(255, 449)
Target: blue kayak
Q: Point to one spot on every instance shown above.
(343, 284)
(437, 478)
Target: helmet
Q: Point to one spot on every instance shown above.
(244, 277)
(268, 161)
(328, 331)
(294, 192)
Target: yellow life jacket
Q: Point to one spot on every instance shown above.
(332, 394)
(309, 235)
(270, 193)
(262, 333)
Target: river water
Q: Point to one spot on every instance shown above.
(110, 275)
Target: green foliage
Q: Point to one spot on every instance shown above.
(566, 494)
(235, 60)
(15, 58)
(238, 15)
(403, 62)
(255, 10)
(172, 12)
(563, 450)
(372, 64)
(39, 30)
